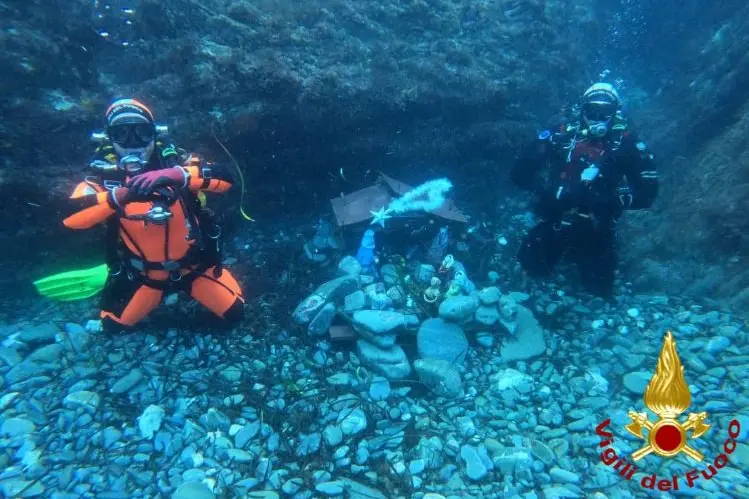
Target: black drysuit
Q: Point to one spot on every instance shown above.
(582, 186)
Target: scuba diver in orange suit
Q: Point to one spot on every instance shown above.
(160, 238)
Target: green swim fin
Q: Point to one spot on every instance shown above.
(73, 285)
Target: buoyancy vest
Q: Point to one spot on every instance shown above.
(178, 241)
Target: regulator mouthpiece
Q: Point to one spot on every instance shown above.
(598, 129)
(132, 163)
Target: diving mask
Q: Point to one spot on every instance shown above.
(598, 116)
(132, 135)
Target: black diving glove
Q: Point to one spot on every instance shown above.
(606, 205)
(551, 205)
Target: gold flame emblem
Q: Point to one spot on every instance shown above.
(667, 395)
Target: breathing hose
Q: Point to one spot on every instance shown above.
(239, 172)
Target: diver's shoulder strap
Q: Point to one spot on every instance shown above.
(619, 131)
(169, 154)
(105, 152)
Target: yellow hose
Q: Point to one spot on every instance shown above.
(241, 177)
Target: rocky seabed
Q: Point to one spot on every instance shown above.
(479, 401)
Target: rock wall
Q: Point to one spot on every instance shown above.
(696, 239)
(312, 96)
(296, 86)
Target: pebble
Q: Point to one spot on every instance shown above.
(718, 344)
(232, 374)
(17, 487)
(559, 492)
(110, 436)
(416, 466)
(356, 490)
(239, 455)
(586, 423)
(440, 376)
(75, 337)
(475, 468)
(82, 385)
(350, 266)
(466, 427)
(292, 486)
(633, 312)
(341, 452)
(320, 325)
(127, 382)
(513, 461)
(308, 444)
(354, 301)
(7, 399)
(563, 476)
(379, 389)
(16, 427)
(246, 434)
(487, 316)
(438, 339)
(485, 339)
(490, 295)
(193, 490)
(87, 400)
(636, 382)
(352, 421)
(362, 455)
(632, 360)
(334, 488)
(340, 379)
(458, 309)
(333, 435)
(717, 406)
(115, 357)
(399, 467)
(391, 363)
(40, 333)
(233, 400)
(150, 421)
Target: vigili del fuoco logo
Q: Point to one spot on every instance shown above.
(667, 396)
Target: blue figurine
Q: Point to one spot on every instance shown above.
(365, 255)
(439, 246)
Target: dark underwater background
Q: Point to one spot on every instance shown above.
(313, 99)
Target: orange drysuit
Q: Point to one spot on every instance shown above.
(177, 253)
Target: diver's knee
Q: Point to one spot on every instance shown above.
(111, 325)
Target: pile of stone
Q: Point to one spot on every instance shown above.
(379, 310)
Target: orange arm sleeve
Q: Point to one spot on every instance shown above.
(198, 181)
(98, 209)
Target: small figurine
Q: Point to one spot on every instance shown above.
(432, 293)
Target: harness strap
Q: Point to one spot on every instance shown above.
(141, 265)
(180, 283)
